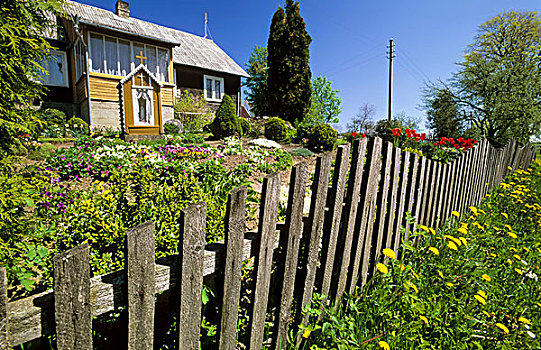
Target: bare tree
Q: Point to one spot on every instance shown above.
(364, 119)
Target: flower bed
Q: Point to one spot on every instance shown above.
(472, 285)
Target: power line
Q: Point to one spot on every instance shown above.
(413, 64)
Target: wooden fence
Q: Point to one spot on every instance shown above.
(330, 251)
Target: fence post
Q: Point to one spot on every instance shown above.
(393, 191)
(73, 315)
(235, 220)
(191, 248)
(405, 172)
(4, 319)
(331, 225)
(418, 193)
(290, 238)
(141, 268)
(442, 182)
(349, 213)
(313, 230)
(411, 191)
(365, 219)
(263, 263)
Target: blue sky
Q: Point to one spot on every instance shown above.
(349, 39)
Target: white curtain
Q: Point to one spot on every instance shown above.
(124, 57)
(96, 53)
(111, 57)
(163, 63)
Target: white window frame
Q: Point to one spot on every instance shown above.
(213, 79)
(65, 82)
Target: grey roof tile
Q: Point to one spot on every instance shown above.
(190, 49)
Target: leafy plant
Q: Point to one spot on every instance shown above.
(225, 123)
(276, 129)
(193, 111)
(322, 138)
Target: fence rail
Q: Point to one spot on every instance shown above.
(334, 249)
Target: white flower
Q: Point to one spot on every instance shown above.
(530, 334)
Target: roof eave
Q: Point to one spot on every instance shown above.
(173, 43)
(245, 75)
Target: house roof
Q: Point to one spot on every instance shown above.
(189, 49)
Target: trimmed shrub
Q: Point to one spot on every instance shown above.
(170, 129)
(301, 152)
(53, 116)
(322, 138)
(225, 123)
(275, 129)
(384, 128)
(245, 126)
(77, 127)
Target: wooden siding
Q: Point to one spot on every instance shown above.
(104, 87)
(80, 90)
(168, 95)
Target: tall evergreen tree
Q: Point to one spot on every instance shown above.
(290, 76)
(275, 53)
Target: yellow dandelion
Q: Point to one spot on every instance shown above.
(434, 250)
(503, 328)
(493, 255)
(449, 284)
(424, 319)
(505, 215)
(482, 211)
(463, 230)
(424, 228)
(455, 213)
(513, 249)
(464, 241)
(452, 245)
(516, 256)
(415, 275)
(518, 271)
(510, 261)
(457, 241)
(512, 235)
(306, 333)
(389, 253)
(486, 313)
(508, 227)
(527, 249)
(486, 277)
(473, 209)
(401, 267)
(414, 287)
(382, 268)
(480, 299)
(524, 320)
(432, 231)
(440, 273)
(482, 293)
(383, 344)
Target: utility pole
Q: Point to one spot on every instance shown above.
(391, 56)
(206, 24)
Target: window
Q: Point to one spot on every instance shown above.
(118, 57)
(79, 51)
(56, 69)
(214, 88)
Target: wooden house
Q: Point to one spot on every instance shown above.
(111, 69)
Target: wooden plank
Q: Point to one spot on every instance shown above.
(404, 177)
(347, 225)
(379, 237)
(365, 219)
(72, 299)
(235, 220)
(468, 189)
(263, 264)
(427, 192)
(191, 245)
(411, 191)
(4, 320)
(477, 170)
(313, 230)
(418, 192)
(290, 237)
(457, 187)
(434, 183)
(141, 283)
(331, 225)
(393, 199)
(442, 194)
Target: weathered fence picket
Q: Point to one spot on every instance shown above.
(332, 250)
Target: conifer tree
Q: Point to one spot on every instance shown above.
(289, 80)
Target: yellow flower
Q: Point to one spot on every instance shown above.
(389, 253)
(503, 328)
(511, 170)
(482, 293)
(449, 284)
(508, 227)
(505, 215)
(527, 249)
(513, 249)
(480, 299)
(414, 287)
(463, 230)
(306, 333)
(455, 213)
(464, 241)
(452, 245)
(512, 235)
(434, 250)
(516, 256)
(432, 231)
(424, 228)
(493, 255)
(486, 277)
(440, 273)
(473, 209)
(482, 211)
(486, 313)
(415, 275)
(524, 320)
(424, 319)
(383, 344)
(382, 268)
(457, 241)
(401, 267)
(518, 271)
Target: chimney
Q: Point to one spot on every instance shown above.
(122, 9)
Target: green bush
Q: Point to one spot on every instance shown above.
(53, 116)
(301, 152)
(170, 129)
(245, 126)
(225, 123)
(322, 138)
(193, 111)
(384, 128)
(276, 129)
(77, 127)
